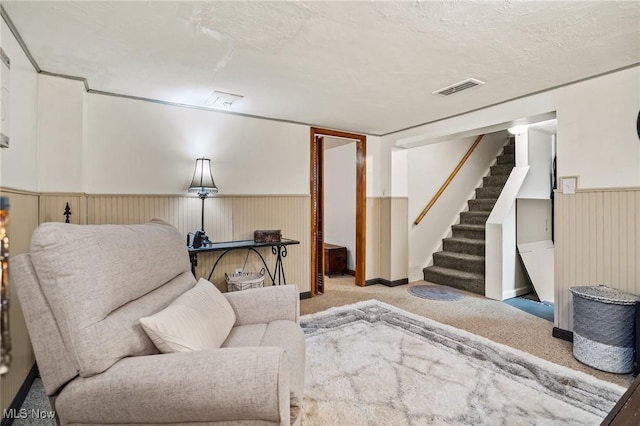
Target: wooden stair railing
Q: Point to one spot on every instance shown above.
(449, 179)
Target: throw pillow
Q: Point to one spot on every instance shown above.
(199, 319)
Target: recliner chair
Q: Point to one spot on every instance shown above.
(83, 289)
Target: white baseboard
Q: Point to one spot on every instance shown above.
(516, 292)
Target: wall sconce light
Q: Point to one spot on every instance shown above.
(203, 184)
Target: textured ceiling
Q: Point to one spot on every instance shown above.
(359, 66)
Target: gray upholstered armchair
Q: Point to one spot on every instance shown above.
(84, 289)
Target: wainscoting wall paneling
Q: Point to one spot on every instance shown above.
(23, 219)
(53, 205)
(373, 238)
(226, 218)
(597, 241)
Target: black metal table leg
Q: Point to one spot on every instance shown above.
(279, 251)
(193, 258)
(272, 277)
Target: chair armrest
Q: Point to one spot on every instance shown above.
(234, 384)
(266, 304)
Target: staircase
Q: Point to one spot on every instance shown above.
(461, 262)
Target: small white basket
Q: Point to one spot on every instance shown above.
(244, 280)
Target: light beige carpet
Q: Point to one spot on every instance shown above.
(492, 319)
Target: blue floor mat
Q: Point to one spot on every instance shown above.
(539, 309)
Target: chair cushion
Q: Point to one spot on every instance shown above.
(101, 279)
(245, 336)
(199, 319)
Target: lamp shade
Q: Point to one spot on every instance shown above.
(202, 181)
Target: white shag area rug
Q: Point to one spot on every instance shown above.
(370, 363)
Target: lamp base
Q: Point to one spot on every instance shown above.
(204, 239)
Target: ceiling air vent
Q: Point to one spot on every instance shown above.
(459, 86)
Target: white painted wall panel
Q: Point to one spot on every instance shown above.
(374, 166)
(537, 185)
(136, 147)
(60, 134)
(19, 163)
(533, 220)
(400, 173)
(340, 199)
(597, 138)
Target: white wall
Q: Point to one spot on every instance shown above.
(148, 148)
(340, 198)
(101, 144)
(537, 185)
(19, 162)
(533, 220)
(503, 278)
(597, 138)
(429, 166)
(400, 173)
(61, 104)
(375, 166)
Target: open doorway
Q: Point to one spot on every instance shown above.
(318, 202)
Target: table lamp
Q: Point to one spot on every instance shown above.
(203, 184)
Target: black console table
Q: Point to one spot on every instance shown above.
(279, 249)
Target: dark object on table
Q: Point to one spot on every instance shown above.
(335, 259)
(194, 240)
(267, 236)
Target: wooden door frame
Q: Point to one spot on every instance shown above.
(361, 202)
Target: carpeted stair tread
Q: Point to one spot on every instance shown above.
(459, 261)
(474, 217)
(464, 245)
(457, 274)
(461, 231)
(506, 159)
(468, 227)
(468, 281)
(509, 149)
(468, 231)
(485, 204)
(501, 169)
(466, 240)
(498, 180)
(489, 192)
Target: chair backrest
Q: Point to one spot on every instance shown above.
(93, 283)
(56, 368)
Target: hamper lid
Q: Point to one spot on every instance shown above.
(602, 293)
